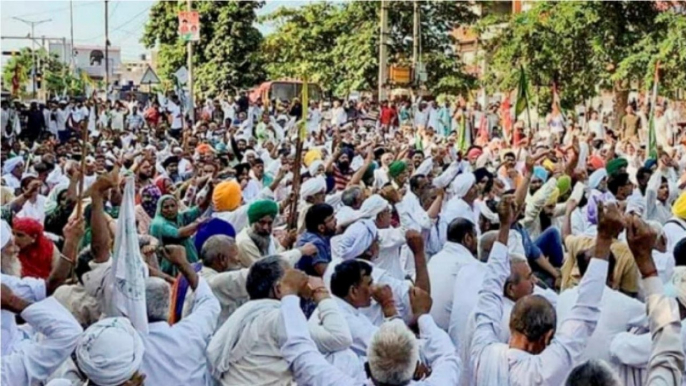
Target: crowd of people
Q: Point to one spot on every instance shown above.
(411, 242)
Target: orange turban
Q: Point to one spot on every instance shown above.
(596, 162)
(227, 196)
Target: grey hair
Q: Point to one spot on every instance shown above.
(593, 372)
(215, 247)
(157, 293)
(393, 354)
(351, 195)
(486, 242)
(263, 275)
(533, 316)
(514, 278)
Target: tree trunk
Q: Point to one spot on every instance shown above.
(621, 95)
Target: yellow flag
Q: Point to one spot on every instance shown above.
(305, 108)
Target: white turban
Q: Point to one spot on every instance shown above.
(425, 167)
(314, 166)
(312, 186)
(596, 177)
(357, 239)
(11, 163)
(635, 204)
(677, 285)
(5, 233)
(488, 213)
(462, 184)
(110, 351)
(373, 205)
(247, 153)
(346, 215)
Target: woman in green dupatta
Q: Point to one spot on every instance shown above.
(172, 227)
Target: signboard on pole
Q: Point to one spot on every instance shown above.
(149, 77)
(182, 75)
(189, 26)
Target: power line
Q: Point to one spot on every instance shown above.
(115, 9)
(51, 10)
(119, 26)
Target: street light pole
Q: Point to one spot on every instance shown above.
(107, 49)
(190, 71)
(383, 51)
(33, 25)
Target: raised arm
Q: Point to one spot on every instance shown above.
(416, 243)
(488, 311)
(307, 364)
(100, 242)
(73, 232)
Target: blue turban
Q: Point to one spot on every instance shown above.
(650, 162)
(212, 228)
(541, 173)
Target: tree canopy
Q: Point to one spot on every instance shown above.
(227, 55)
(338, 44)
(579, 45)
(57, 79)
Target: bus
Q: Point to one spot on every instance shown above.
(284, 90)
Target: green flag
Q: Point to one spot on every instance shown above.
(522, 93)
(652, 140)
(462, 143)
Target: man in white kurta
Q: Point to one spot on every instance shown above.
(618, 313)
(494, 363)
(176, 354)
(443, 269)
(34, 362)
(310, 368)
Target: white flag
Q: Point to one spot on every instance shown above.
(128, 269)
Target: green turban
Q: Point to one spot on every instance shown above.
(369, 173)
(613, 166)
(564, 183)
(261, 208)
(396, 168)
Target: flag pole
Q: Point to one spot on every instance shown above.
(302, 133)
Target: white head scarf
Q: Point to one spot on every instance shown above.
(596, 177)
(5, 233)
(314, 167)
(11, 163)
(462, 184)
(312, 187)
(110, 351)
(357, 239)
(373, 205)
(677, 285)
(425, 167)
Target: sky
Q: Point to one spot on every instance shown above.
(126, 22)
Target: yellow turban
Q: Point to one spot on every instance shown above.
(552, 199)
(227, 196)
(311, 156)
(679, 207)
(549, 165)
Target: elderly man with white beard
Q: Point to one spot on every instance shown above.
(25, 361)
(31, 289)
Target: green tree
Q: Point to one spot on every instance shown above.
(575, 45)
(227, 55)
(338, 44)
(56, 76)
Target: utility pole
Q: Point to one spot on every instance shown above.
(383, 51)
(33, 24)
(107, 56)
(415, 36)
(190, 71)
(71, 23)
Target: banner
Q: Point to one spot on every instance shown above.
(189, 26)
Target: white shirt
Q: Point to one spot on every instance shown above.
(618, 313)
(443, 269)
(29, 289)
(117, 120)
(412, 215)
(339, 116)
(11, 181)
(34, 210)
(62, 116)
(175, 112)
(34, 362)
(175, 355)
(228, 287)
(674, 230)
(596, 127)
(552, 366)
(310, 368)
(390, 242)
